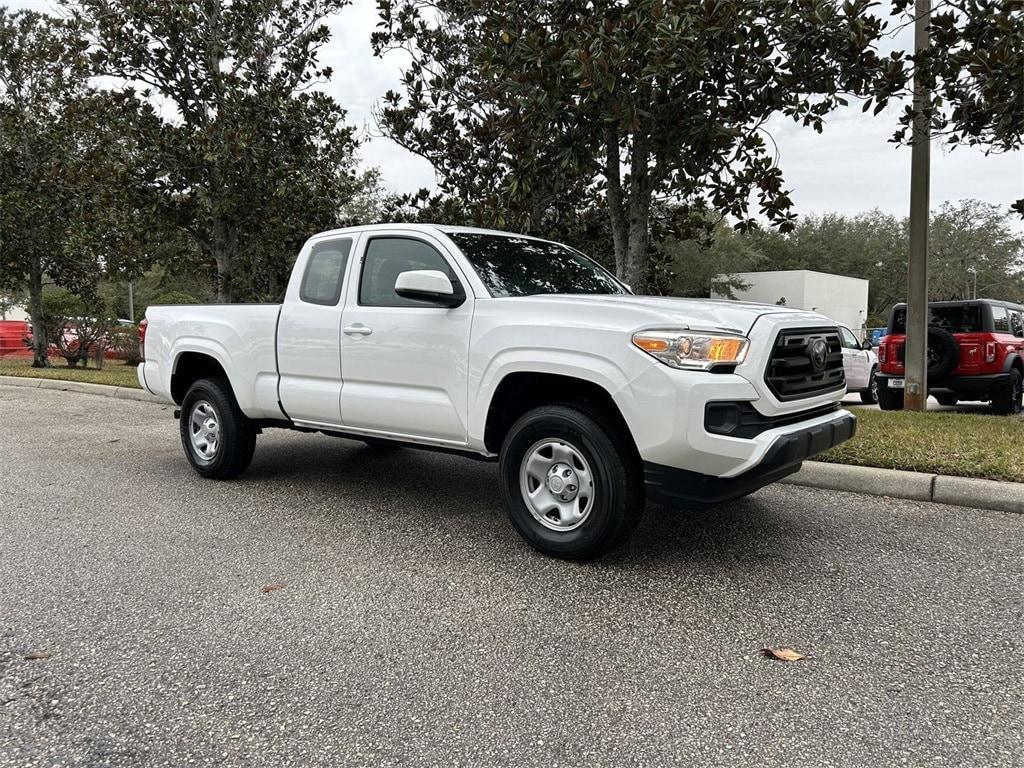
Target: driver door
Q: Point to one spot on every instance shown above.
(405, 360)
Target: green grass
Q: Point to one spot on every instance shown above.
(964, 444)
(114, 372)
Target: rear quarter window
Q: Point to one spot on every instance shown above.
(325, 271)
(1000, 320)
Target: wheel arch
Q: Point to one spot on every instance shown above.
(192, 365)
(520, 391)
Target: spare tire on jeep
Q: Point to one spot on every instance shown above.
(943, 352)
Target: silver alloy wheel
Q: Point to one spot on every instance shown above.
(874, 388)
(557, 484)
(204, 431)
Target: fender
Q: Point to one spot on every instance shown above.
(574, 363)
(1013, 358)
(210, 348)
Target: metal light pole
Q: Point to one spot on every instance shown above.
(131, 301)
(915, 396)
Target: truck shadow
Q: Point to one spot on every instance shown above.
(428, 488)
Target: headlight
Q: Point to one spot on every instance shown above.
(692, 349)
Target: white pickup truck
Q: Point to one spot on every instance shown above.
(511, 348)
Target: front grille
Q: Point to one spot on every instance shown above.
(791, 372)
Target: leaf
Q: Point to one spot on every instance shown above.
(783, 654)
(37, 655)
(273, 587)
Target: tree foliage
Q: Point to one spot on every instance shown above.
(974, 71)
(968, 238)
(522, 105)
(65, 170)
(249, 157)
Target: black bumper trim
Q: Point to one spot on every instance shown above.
(983, 384)
(679, 487)
(741, 419)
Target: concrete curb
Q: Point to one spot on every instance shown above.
(916, 486)
(103, 390)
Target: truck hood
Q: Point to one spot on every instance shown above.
(699, 314)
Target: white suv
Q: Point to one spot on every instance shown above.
(861, 366)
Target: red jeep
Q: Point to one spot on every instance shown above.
(975, 352)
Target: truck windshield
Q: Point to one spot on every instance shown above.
(955, 318)
(520, 266)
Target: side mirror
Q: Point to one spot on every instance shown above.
(430, 285)
(867, 344)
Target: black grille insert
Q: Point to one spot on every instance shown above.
(792, 373)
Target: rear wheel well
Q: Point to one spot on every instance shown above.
(190, 368)
(520, 392)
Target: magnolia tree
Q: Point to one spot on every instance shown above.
(522, 105)
(65, 168)
(247, 155)
(974, 70)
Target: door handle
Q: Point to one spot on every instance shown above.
(357, 330)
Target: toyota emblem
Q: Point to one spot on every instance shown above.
(817, 352)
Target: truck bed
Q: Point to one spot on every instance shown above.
(241, 337)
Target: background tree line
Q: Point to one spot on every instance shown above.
(635, 131)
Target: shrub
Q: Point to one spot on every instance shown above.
(175, 297)
(73, 327)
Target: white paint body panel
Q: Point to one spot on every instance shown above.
(429, 374)
(857, 363)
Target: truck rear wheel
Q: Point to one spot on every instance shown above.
(218, 439)
(572, 485)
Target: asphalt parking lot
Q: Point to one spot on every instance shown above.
(413, 627)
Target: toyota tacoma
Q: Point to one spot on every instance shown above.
(515, 349)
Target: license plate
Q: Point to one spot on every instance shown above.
(895, 383)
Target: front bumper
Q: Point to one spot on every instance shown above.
(679, 487)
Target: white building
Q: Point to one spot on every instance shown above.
(844, 299)
(15, 312)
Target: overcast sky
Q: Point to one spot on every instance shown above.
(849, 168)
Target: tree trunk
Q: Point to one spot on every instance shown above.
(637, 261)
(616, 209)
(35, 311)
(223, 247)
(630, 213)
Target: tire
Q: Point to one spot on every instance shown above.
(209, 408)
(947, 399)
(943, 353)
(569, 446)
(869, 396)
(1007, 400)
(889, 400)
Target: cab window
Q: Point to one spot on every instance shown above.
(849, 340)
(325, 272)
(388, 257)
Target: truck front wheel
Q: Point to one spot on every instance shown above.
(572, 485)
(218, 439)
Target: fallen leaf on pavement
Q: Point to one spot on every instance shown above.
(783, 654)
(272, 587)
(37, 655)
